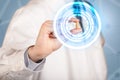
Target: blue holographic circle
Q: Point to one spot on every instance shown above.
(90, 20)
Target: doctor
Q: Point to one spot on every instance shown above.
(30, 51)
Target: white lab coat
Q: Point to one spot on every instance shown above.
(63, 64)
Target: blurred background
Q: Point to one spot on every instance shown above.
(109, 11)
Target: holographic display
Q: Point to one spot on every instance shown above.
(89, 18)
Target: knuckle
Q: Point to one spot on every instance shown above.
(46, 22)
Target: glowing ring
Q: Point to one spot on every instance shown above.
(91, 23)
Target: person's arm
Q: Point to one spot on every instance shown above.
(46, 41)
(13, 56)
(22, 33)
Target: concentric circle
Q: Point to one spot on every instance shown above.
(90, 20)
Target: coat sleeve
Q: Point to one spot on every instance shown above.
(32, 65)
(11, 60)
(21, 33)
(16, 60)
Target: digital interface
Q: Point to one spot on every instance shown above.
(91, 25)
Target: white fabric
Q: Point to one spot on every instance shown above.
(63, 64)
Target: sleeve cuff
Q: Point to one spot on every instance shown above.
(32, 65)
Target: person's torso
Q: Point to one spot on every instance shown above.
(65, 63)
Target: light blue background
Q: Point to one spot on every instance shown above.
(109, 11)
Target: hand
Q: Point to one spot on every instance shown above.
(77, 28)
(46, 42)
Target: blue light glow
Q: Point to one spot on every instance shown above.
(90, 20)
